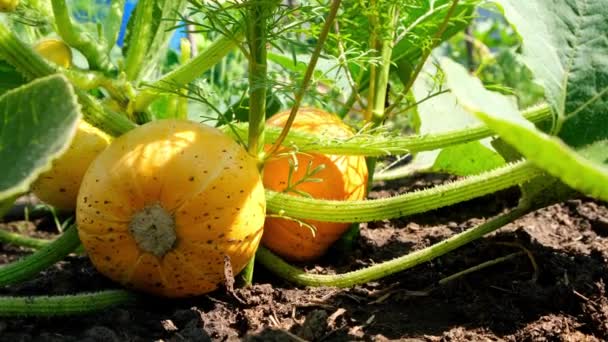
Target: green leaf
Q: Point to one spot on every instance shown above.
(566, 47)
(166, 16)
(111, 26)
(38, 122)
(467, 159)
(10, 79)
(421, 22)
(550, 153)
(442, 113)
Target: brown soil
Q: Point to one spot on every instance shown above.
(564, 299)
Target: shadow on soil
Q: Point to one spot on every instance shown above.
(563, 299)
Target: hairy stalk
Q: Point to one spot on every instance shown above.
(378, 102)
(87, 80)
(293, 274)
(29, 266)
(182, 101)
(28, 62)
(385, 145)
(373, 44)
(49, 306)
(386, 51)
(94, 51)
(257, 30)
(335, 5)
(402, 205)
(32, 65)
(22, 240)
(188, 72)
(140, 38)
(424, 57)
(102, 117)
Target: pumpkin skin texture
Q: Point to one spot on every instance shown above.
(343, 178)
(55, 51)
(8, 5)
(59, 186)
(163, 205)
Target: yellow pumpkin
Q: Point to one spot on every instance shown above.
(343, 178)
(164, 205)
(8, 5)
(56, 51)
(59, 186)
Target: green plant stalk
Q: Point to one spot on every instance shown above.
(140, 38)
(102, 117)
(87, 80)
(382, 75)
(378, 104)
(49, 306)
(373, 44)
(32, 65)
(31, 265)
(333, 11)
(188, 72)
(257, 31)
(258, 14)
(402, 205)
(383, 145)
(437, 38)
(479, 267)
(29, 63)
(170, 14)
(182, 101)
(378, 271)
(21, 240)
(94, 51)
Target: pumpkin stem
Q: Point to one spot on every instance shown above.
(153, 229)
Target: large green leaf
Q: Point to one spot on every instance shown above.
(439, 112)
(38, 121)
(585, 170)
(566, 47)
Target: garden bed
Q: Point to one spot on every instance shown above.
(564, 299)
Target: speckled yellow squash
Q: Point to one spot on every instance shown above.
(343, 178)
(56, 51)
(59, 186)
(163, 206)
(8, 5)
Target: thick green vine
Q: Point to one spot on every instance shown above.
(94, 51)
(22, 240)
(402, 205)
(48, 255)
(64, 305)
(296, 275)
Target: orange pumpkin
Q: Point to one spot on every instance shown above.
(343, 178)
(164, 204)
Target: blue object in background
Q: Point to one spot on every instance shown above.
(129, 7)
